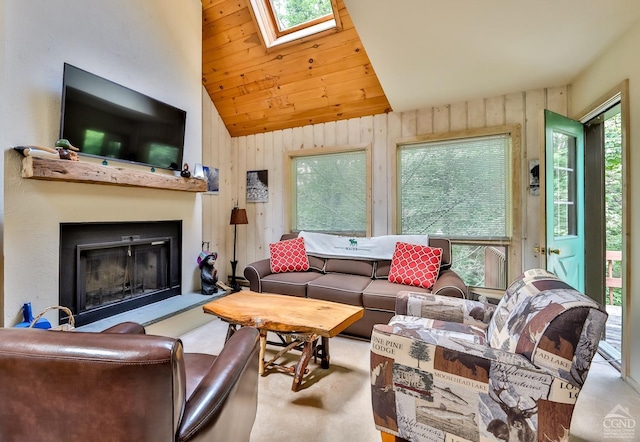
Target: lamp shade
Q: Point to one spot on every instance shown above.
(238, 216)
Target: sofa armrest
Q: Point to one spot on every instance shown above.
(450, 284)
(446, 308)
(255, 271)
(131, 328)
(224, 404)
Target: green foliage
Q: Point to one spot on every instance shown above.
(613, 181)
(468, 263)
(331, 193)
(455, 188)
(459, 189)
(613, 192)
(291, 13)
(564, 164)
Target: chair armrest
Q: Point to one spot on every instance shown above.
(255, 271)
(450, 284)
(130, 328)
(446, 308)
(405, 331)
(223, 406)
(440, 377)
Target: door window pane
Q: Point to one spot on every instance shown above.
(564, 163)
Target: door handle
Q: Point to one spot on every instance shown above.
(538, 249)
(554, 251)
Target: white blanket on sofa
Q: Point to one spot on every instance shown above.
(376, 247)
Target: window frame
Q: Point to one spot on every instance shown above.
(290, 207)
(271, 35)
(515, 188)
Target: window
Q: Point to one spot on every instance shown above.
(283, 21)
(564, 188)
(330, 190)
(462, 189)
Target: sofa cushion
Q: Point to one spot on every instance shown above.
(316, 263)
(288, 256)
(382, 269)
(415, 265)
(338, 287)
(350, 266)
(381, 294)
(291, 283)
(384, 265)
(445, 245)
(362, 328)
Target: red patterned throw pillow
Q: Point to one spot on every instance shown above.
(415, 265)
(289, 256)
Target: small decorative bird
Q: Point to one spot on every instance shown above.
(185, 171)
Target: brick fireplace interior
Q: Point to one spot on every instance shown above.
(110, 268)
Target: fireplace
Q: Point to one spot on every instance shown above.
(109, 268)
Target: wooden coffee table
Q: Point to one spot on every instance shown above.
(301, 321)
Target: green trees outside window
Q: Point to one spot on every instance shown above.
(330, 192)
(291, 13)
(460, 189)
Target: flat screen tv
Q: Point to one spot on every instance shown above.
(106, 120)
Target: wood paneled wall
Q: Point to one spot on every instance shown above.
(216, 208)
(314, 80)
(266, 151)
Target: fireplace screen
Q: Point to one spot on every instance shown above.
(110, 268)
(114, 272)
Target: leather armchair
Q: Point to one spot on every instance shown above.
(451, 369)
(122, 384)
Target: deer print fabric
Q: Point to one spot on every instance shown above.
(433, 379)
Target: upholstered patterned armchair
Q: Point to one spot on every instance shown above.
(454, 369)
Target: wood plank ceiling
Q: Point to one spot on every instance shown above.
(316, 80)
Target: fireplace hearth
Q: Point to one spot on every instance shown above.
(109, 268)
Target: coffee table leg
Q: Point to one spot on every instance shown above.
(301, 366)
(263, 346)
(323, 352)
(230, 331)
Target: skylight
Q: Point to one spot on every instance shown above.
(283, 21)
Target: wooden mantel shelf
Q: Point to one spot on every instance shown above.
(83, 172)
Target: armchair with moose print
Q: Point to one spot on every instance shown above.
(448, 369)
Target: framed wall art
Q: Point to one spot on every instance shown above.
(212, 175)
(257, 186)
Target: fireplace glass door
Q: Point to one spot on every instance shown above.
(114, 272)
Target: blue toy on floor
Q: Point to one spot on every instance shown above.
(27, 314)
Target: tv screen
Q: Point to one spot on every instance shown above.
(106, 120)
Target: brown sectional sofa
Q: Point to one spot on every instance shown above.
(352, 281)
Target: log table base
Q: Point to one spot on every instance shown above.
(302, 324)
(310, 345)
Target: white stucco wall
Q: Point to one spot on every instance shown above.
(3, 118)
(618, 63)
(152, 46)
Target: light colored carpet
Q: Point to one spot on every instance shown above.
(332, 405)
